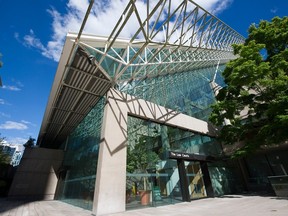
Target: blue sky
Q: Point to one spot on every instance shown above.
(32, 35)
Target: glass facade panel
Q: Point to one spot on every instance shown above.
(189, 142)
(149, 168)
(225, 178)
(188, 92)
(262, 165)
(196, 186)
(258, 169)
(152, 179)
(77, 182)
(156, 188)
(279, 162)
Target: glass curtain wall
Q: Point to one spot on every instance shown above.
(226, 177)
(188, 92)
(273, 163)
(78, 174)
(196, 186)
(152, 178)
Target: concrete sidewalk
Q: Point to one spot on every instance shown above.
(236, 205)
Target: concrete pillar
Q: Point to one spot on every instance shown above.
(110, 187)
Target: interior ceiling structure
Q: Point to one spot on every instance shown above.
(170, 37)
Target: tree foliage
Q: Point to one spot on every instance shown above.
(30, 142)
(4, 158)
(1, 63)
(140, 157)
(255, 99)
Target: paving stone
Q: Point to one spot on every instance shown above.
(235, 205)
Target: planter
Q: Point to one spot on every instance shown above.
(145, 197)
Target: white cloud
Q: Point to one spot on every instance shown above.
(101, 21)
(18, 83)
(16, 36)
(214, 6)
(274, 10)
(11, 88)
(4, 102)
(9, 125)
(2, 114)
(16, 86)
(31, 40)
(17, 141)
(27, 122)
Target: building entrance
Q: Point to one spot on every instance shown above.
(195, 182)
(194, 175)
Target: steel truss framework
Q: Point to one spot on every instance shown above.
(170, 38)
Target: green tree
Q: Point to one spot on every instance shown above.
(255, 100)
(140, 158)
(30, 142)
(1, 63)
(4, 158)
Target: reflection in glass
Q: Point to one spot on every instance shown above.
(225, 178)
(78, 172)
(152, 178)
(188, 92)
(194, 175)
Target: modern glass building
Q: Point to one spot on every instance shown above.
(131, 113)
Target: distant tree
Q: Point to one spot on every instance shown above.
(4, 158)
(2, 140)
(1, 63)
(30, 143)
(257, 87)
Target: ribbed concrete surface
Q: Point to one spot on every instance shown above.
(235, 205)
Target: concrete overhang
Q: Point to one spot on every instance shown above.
(77, 87)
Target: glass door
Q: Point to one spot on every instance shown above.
(196, 186)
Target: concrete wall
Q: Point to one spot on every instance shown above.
(36, 175)
(110, 186)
